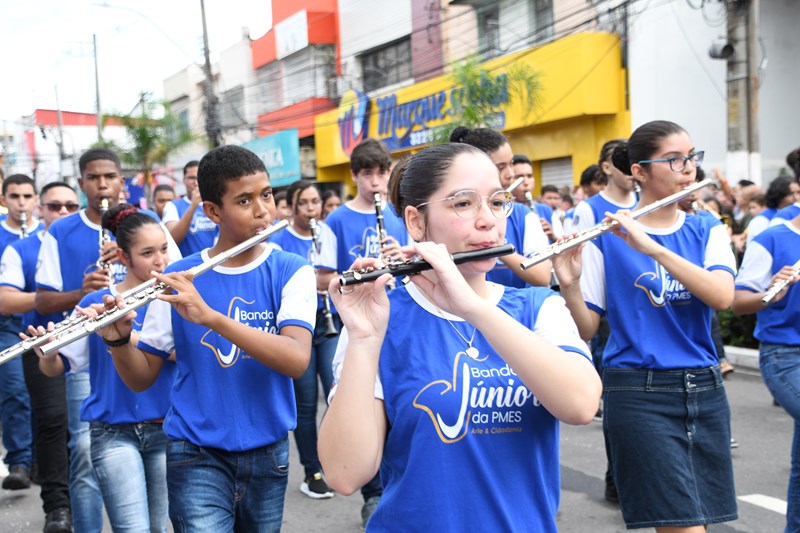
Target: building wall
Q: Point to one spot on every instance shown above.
(673, 78)
(779, 105)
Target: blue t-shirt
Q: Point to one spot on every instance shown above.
(70, 250)
(468, 447)
(655, 321)
(592, 210)
(18, 270)
(357, 236)
(110, 400)
(202, 232)
(292, 242)
(773, 249)
(524, 231)
(9, 236)
(787, 213)
(222, 397)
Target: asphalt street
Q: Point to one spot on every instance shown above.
(761, 465)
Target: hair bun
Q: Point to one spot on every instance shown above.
(459, 134)
(114, 216)
(621, 160)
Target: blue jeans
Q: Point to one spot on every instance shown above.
(15, 405)
(306, 393)
(216, 490)
(84, 493)
(130, 463)
(780, 368)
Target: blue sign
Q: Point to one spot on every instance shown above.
(280, 153)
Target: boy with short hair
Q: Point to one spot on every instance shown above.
(19, 194)
(188, 225)
(237, 348)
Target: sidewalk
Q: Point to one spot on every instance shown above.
(742, 357)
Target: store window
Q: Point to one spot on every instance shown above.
(387, 65)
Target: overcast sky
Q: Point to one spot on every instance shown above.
(48, 43)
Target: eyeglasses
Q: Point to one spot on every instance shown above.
(678, 163)
(56, 207)
(467, 204)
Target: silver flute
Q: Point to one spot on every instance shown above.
(316, 247)
(104, 237)
(408, 268)
(72, 329)
(778, 286)
(23, 225)
(604, 227)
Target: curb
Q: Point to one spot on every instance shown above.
(743, 357)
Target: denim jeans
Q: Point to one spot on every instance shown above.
(216, 490)
(780, 369)
(130, 463)
(306, 393)
(15, 407)
(84, 492)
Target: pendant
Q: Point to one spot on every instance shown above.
(473, 352)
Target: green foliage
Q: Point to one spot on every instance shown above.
(153, 135)
(481, 92)
(737, 330)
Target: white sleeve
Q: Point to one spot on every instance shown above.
(327, 255)
(338, 362)
(77, 353)
(593, 278)
(555, 324)
(11, 273)
(756, 226)
(756, 270)
(556, 225)
(49, 271)
(170, 213)
(776, 221)
(299, 298)
(157, 328)
(534, 239)
(173, 252)
(583, 217)
(718, 249)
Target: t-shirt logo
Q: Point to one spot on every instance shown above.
(370, 245)
(661, 288)
(488, 397)
(226, 352)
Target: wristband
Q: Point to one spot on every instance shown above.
(117, 343)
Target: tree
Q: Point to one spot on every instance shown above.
(152, 139)
(483, 92)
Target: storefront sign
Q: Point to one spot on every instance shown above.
(280, 153)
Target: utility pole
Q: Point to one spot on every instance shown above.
(60, 141)
(212, 121)
(97, 91)
(744, 157)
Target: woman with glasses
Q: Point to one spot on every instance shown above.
(523, 227)
(453, 386)
(658, 279)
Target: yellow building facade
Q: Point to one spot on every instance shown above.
(582, 105)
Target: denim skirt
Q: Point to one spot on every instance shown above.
(668, 437)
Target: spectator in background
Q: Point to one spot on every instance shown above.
(793, 160)
(330, 201)
(162, 195)
(284, 211)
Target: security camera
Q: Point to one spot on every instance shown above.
(720, 49)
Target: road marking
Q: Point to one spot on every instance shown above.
(767, 502)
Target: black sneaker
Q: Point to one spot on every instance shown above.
(611, 490)
(315, 487)
(58, 521)
(18, 478)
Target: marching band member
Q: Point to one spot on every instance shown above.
(666, 416)
(471, 372)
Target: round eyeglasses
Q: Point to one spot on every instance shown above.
(678, 163)
(467, 204)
